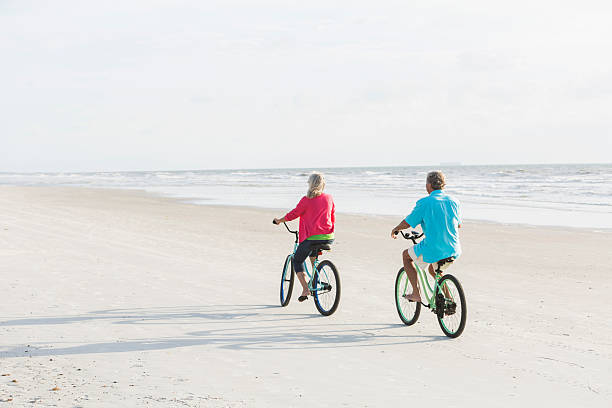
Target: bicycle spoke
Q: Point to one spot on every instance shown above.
(326, 288)
(453, 317)
(407, 310)
(324, 278)
(287, 280)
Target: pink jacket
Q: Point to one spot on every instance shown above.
(317, 215)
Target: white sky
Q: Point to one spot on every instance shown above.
(168, 84)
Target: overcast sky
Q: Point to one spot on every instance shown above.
(168, 84)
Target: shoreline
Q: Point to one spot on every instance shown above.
(563, 195)
(190, 201)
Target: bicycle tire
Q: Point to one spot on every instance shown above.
(452, 324)
(408, 311)
(286, 286)
(326, 285)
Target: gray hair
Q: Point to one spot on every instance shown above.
(436, 179)
(316, 184)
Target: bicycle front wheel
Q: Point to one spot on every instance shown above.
(451, 308)
(408, 310)
(326, 288)
(287, 280)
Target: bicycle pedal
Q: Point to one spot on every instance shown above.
(450, 309)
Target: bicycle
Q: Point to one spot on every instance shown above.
(446, 299)
(323, 283)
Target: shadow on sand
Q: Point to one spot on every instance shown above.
(262, 327)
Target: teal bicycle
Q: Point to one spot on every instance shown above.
(323, 283)
(446, 298)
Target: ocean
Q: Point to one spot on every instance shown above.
(572, 195)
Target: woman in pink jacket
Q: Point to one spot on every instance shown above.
(317, 214)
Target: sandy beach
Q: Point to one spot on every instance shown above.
(116, 298)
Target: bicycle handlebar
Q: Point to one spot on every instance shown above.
(413, 235)
(286, 226)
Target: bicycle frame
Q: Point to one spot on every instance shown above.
(444, 297)
(310, 275)
(316, 262)
(428, 291)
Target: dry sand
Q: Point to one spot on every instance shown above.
(120, 299)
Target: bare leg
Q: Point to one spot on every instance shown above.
(412, 277)
(302, 278)
(432, 272)
(312, 261)
(444, 288)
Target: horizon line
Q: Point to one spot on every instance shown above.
(442, 164)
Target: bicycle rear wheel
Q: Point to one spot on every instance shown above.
(451, 308)
(287, 280)
(408, 311)
(326, 288)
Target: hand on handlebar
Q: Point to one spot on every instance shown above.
(394, 233)
(412, 236)
(275, 221)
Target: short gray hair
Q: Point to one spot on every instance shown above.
(316, 184)
(436, 179)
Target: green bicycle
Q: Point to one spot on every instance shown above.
(446, 298)
(324, 282)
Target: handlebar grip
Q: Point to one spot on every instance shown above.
(274, 222)
(396, 232)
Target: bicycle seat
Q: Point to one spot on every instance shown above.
(442, 264)
(316, 248)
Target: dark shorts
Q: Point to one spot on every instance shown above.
(303, 250)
